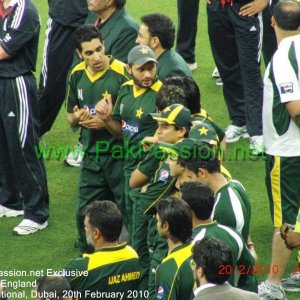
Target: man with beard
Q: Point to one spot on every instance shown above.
(158, 32)
(113, 268)
(130, 117)
(209, 255)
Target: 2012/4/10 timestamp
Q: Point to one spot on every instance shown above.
(257, 269)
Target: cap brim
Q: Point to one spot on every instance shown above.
(157, 117)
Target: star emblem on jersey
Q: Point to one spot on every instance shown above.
(139, 113)
(105, 95)
(144, 50)
(203, 130)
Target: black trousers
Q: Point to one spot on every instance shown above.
(187, 29)
(22, 172)
(57, 59)
(236, 47)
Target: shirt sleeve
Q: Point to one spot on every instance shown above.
(164, 281)
(23, 25)
(72, 98)
(75, 267)
(286, 75)
(150, 164)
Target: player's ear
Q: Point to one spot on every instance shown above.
(155, 42)
(202, 173)
(129, 69)
(79, 54)
(273, 22)
(182, 132)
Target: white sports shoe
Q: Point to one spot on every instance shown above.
(234, 133)
(257, 145)
(7, 212)
(74, 158)
(269, 291)
(292, 283)
(27, 227)
(193, 66)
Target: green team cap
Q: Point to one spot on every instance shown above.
(190, 148)
(139, 55)
(205, 133)
(175, 114)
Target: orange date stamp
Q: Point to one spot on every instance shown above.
(257, 269)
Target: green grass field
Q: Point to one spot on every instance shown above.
(53, 247)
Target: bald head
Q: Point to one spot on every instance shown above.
(287, 15)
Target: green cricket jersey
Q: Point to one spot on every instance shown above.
(232, 208)
(170, 63)
(119, 32)
(86, 90)
(160, 185)
(243, 261)
(132, 110)
(174, 276)
(112, 270)
(151, 162)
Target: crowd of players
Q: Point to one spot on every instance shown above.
(151, 154)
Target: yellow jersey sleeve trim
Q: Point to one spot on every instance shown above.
(180, 256)
(160, 196)
(129, 82)
(156, 86)
(118, 67)
(102, 258)
(79, 67)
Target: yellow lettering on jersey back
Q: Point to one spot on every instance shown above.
(114, 279)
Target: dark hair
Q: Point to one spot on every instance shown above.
(161, 26)
(119, 3)
(191, 90)
(169, 94)
(178, 215)
(287, 15)
(210, 254)
(199, 197)
(187, 130)
(57, 285)
(105, 216)
(86, 33)
(206, 158)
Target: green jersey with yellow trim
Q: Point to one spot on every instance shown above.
(174, 276)
(161, 185)
(232, 208)
(203, 119)
(85, 90)
(110, 269)
(132, 110)
(243, 261)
